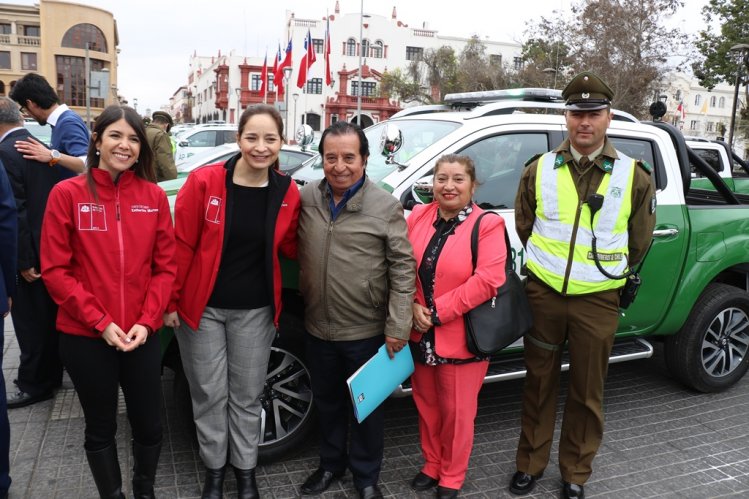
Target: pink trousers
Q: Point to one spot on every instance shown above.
(446, 397)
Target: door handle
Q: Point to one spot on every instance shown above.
(665, 232)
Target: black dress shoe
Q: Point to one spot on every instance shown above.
(572, 490)
(370, 492)
(319, 481)
(246, 484)
(522, 483)
(447, 493)
(422, 482)
(22, 399)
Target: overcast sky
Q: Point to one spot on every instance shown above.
(157, 37)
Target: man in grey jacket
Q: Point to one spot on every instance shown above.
(357, 277)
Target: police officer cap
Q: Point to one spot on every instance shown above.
(587, 92)
(163, 115)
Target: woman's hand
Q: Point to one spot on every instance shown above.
(137, 336)
(171, 319)
(115, 337)
(422, 318)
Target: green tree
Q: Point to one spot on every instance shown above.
(718, 63)
(624, 41)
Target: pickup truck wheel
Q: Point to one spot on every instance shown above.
(710, 353)
(287, 415)
(287, 405)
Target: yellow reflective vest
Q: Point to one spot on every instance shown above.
(560, 249)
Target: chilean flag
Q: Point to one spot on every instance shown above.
(328, 76)
(278, 70)
(264, 78)
(309, 59)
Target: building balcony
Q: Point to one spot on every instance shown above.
(14, 39)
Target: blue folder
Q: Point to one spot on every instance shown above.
(373, 382)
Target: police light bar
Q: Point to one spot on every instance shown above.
(523, 94)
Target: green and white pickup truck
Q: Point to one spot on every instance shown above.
(695, 291)
(717, 154)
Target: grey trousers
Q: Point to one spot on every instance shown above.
(225, 362)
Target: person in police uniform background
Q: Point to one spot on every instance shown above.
(157, 133)
(570, 298)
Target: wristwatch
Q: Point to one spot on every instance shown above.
(55, 157)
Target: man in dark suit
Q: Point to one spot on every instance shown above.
(34, 312)
(8, 221)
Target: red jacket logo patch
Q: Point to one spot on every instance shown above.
(213, 210)
(92, 217)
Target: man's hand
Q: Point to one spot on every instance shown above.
(33, 149)
(394, 345)
(136, 337)
(171, 319)
(30, 274)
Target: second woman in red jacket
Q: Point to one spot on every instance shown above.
(231, 221)
(447, 377)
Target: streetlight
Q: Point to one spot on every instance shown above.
(239, 102)
(742, 49)
(296, 96)
(286, 77)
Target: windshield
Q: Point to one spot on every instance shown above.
(41, 132)
(417, 136)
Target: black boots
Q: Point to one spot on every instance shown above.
(146, 459)
(106, 470)
(213, 487)
(246, 484)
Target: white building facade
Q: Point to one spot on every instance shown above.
(704, 113)
(219, 87)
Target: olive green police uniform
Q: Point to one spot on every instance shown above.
(587, 322)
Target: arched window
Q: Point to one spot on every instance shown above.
(712, 101)
(697, 100)
(80, 34)
(365, 48)
(722, 102)
(351, 47)
(376, 50)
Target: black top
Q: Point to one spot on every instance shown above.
(241, 281)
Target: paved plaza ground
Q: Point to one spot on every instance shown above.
(661, 440)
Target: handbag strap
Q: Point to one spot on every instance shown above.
(475, 243)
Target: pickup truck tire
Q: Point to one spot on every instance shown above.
(709, 353)
(288, 415)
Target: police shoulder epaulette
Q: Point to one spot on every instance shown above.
(533, 158)
(645, 166)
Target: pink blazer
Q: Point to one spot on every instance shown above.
(456, 289)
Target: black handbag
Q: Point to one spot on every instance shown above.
(503, 318)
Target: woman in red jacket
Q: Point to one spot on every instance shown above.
(107, 257)
(447, 377)
(231, 221)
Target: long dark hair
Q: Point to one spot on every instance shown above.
(143, 167)
(262, 109)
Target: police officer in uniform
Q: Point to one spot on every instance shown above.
(157, 133)
(572, 301)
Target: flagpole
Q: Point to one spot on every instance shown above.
(361, 46)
